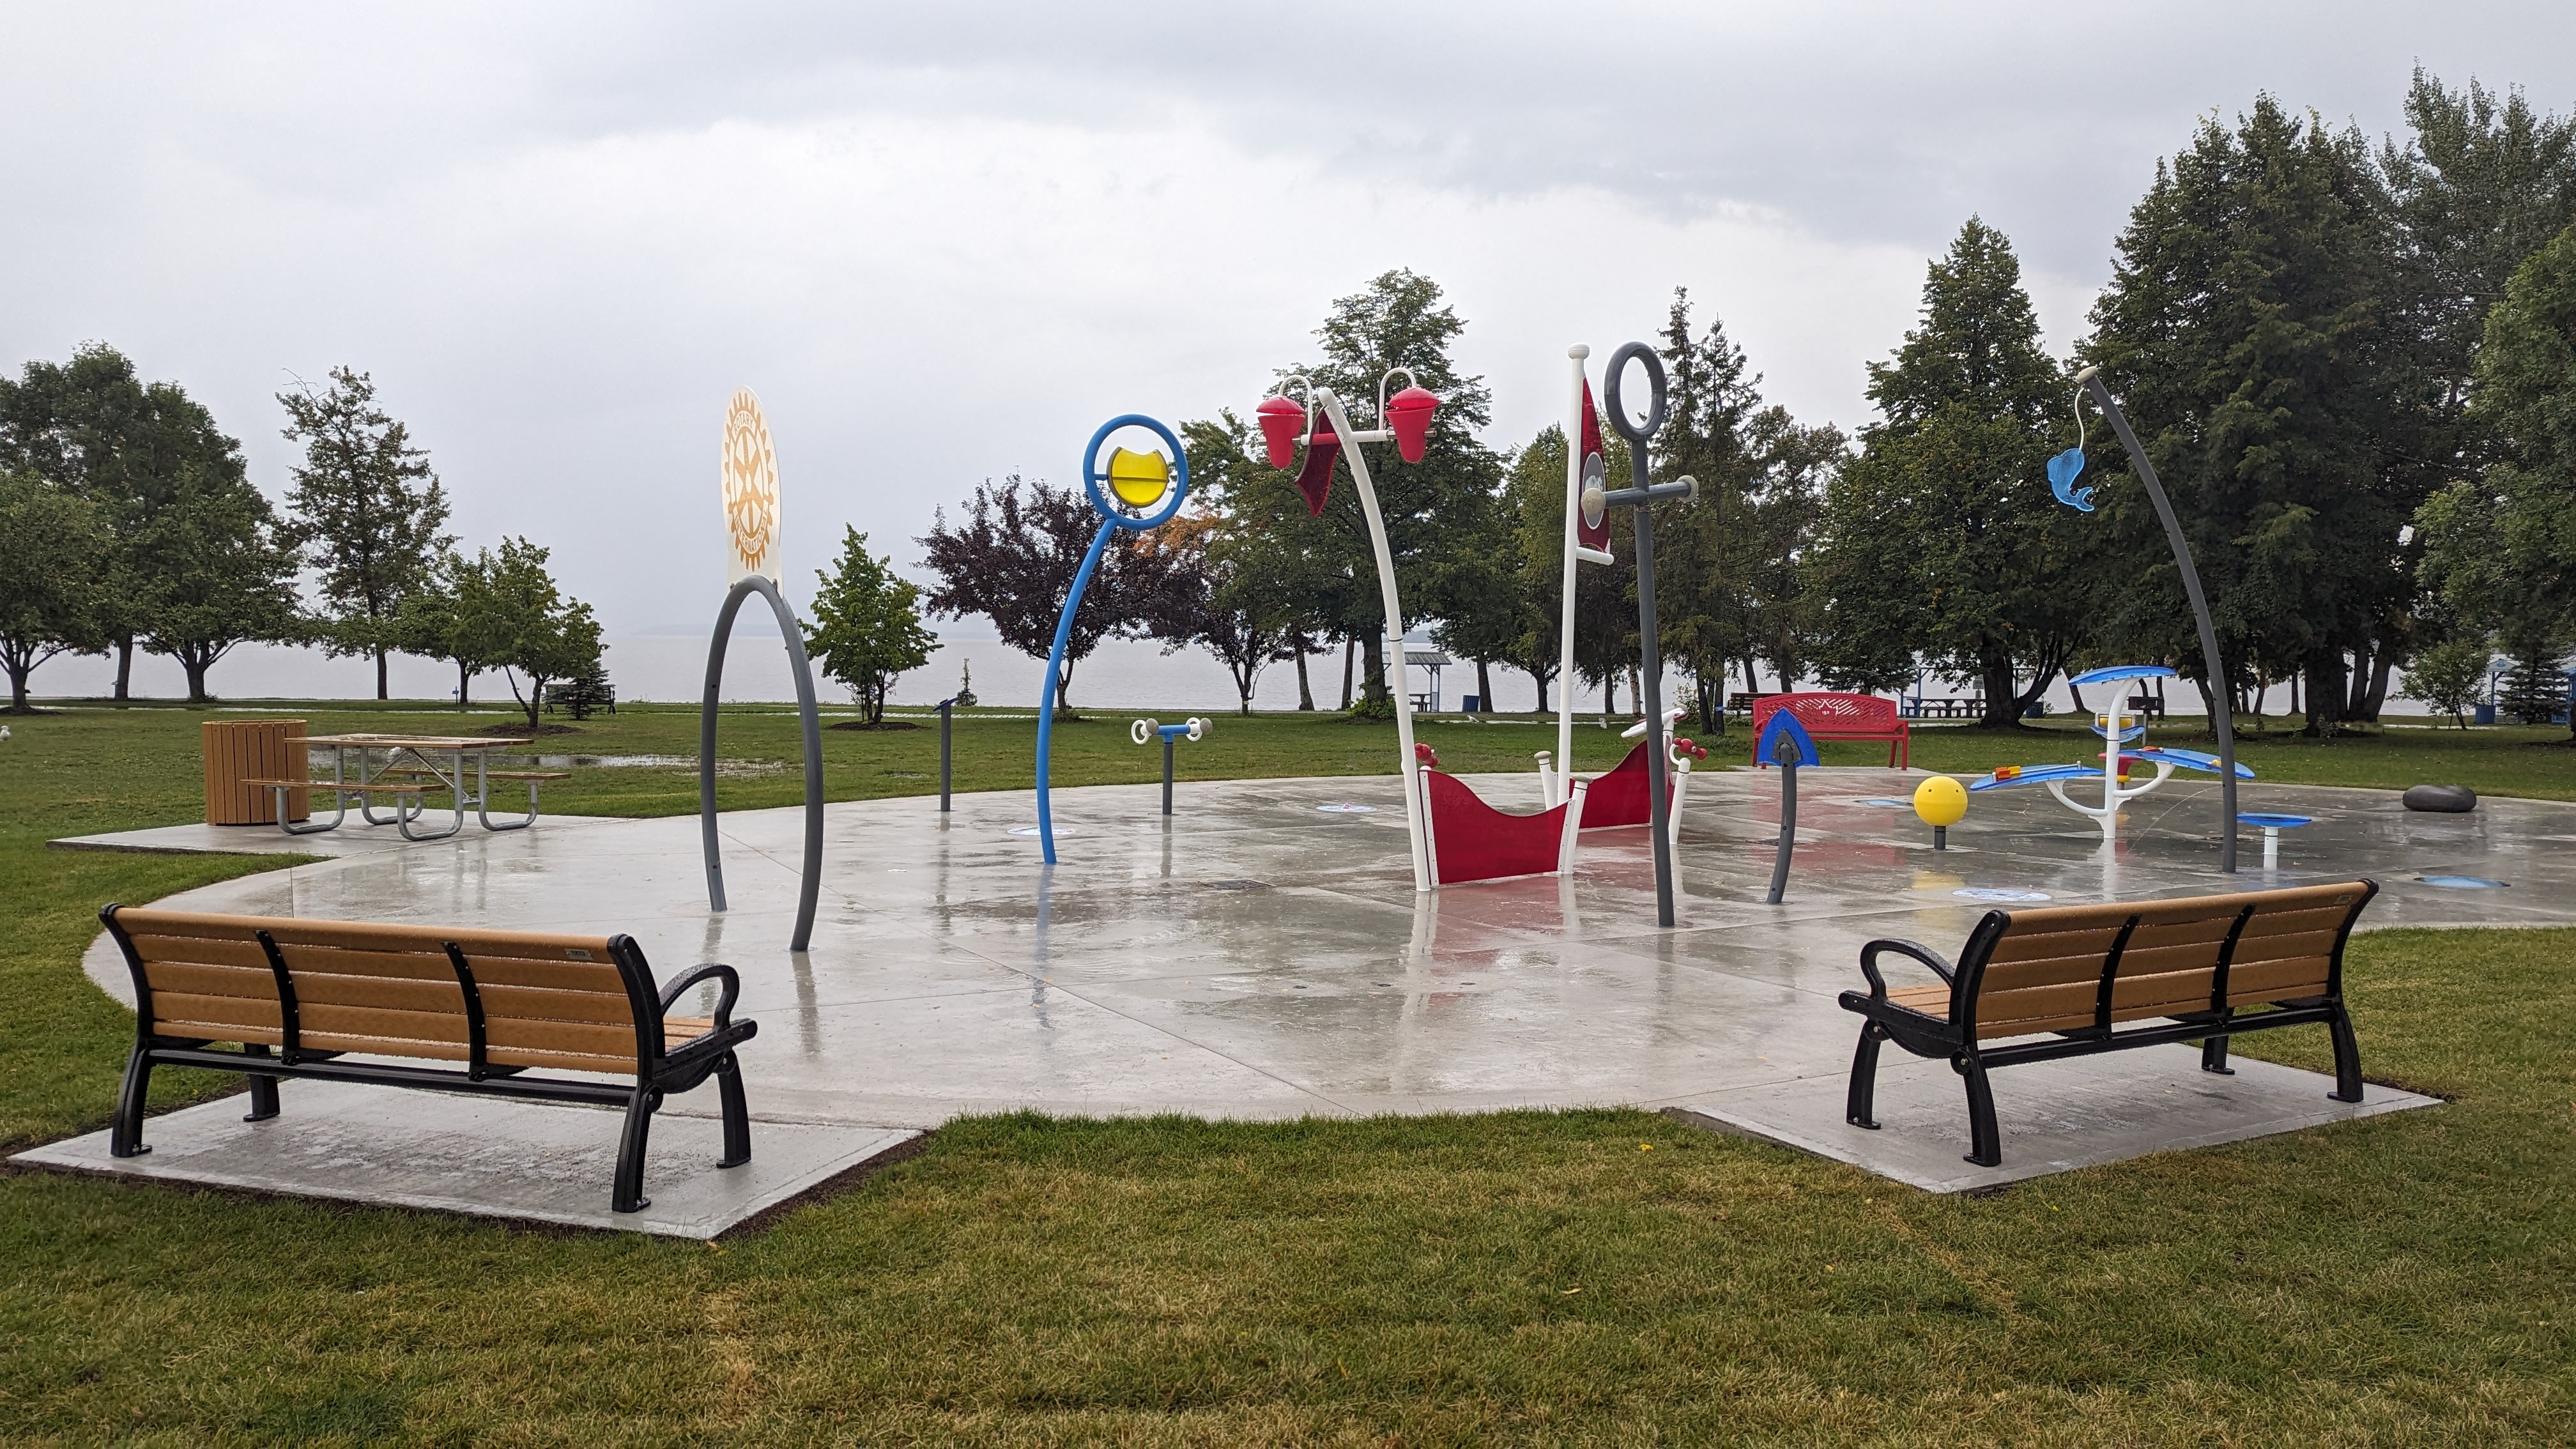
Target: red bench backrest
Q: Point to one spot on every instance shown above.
(1822, 710)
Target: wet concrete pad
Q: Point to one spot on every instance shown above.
(490, 1157)
(2055, 1116)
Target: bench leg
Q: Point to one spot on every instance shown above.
(737, 1115)
(2213, 1056)
(1985, 1141)
(1864, 1077)
(2347, 1058)
(126, 1137)
(263, 1090)
(628, 1195)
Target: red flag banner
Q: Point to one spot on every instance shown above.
(1594, 461)
(1315, 479)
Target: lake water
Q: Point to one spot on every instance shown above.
(1119, 675)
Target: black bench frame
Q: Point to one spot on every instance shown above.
(1955, 1036)
(657, 1073)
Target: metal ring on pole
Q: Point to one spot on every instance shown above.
(1113, 520)
(1654, 376)
(1092, 477)
(811, 884)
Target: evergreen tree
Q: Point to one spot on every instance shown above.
(2482, 183)
(365, 510)
(867, 628)
(1730, 584)
(2249, 330)
(1945, 536)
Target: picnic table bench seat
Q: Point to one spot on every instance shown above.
(319, 999)
(1828, 715)
(348, 787)
(2060, 981)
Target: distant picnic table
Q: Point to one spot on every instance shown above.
(409, 769)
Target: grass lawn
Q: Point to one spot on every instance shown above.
(1545, 1277)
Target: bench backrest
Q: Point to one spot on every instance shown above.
(545, 1000)
(2064, 968)
(1824, 712)
(2069, 968)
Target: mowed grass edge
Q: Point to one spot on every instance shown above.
(1537, 1276)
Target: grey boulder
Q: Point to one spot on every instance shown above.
(2441, 799)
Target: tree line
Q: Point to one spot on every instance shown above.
(2353, 365)
(128, 520)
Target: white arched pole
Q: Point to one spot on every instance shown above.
(1562, 781)
(1414, 825)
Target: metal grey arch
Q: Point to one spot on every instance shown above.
(2223, 710)
(812, 881)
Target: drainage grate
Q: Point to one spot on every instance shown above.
(1238, 885)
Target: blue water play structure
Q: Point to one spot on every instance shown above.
(1144, 490)
(2121, 752)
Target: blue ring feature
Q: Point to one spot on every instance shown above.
(1093, 478)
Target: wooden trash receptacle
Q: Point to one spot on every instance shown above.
(253, 749)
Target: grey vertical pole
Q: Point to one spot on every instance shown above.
(1641, 496)
(2224, 705)
(1785, 755)
(943, 753)
(1167, 774)
(1659, 803)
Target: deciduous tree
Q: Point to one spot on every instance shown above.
(218, 576)
(511, 615)
(2500, 549)
(1234, 581)
(1013, 558)
(1431, 507)
(867, 628)
(95, 429)
(55, 553)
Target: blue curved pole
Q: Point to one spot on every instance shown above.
(1051, 697)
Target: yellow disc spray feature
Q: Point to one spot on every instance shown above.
(1941, 801)
(1139, 479)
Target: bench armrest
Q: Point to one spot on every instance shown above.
(695, 974)
(1869, 962)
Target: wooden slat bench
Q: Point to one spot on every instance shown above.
(2202, 968)
(307, 998)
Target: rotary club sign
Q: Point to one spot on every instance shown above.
(750, 492)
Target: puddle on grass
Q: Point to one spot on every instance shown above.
(725, 769)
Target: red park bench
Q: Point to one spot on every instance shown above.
(1829, 716)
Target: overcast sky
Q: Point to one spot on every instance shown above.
(943, 242)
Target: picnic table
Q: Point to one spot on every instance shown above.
(409, 769)
(1919, 707)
